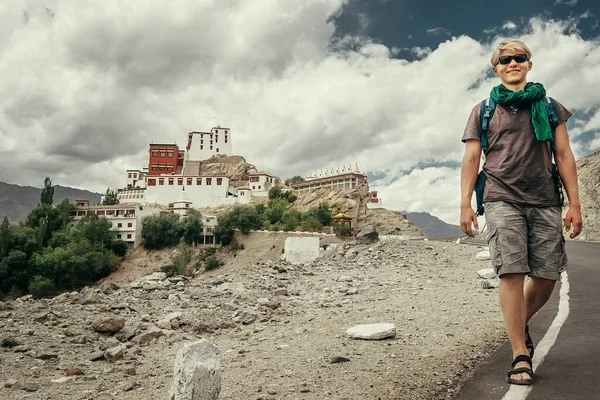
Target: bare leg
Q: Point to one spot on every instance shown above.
(537, 293)
(512, 303)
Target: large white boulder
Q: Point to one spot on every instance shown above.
(197, 373)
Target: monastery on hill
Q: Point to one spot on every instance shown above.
(173, 175)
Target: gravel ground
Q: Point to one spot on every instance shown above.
(280, 328)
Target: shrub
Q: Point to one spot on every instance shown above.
(41, 287)
(342, 229)
(170, 270)
(119, 247)
(212, 262)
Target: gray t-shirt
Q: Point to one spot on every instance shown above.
(517, 165)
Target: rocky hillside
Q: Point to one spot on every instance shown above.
(588, 172)
(281, 329)
(236, 168)
(17, 201)
(353, 203)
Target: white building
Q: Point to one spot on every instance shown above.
(260, 183)
(204, 145)
(203, 191)
(126, 218)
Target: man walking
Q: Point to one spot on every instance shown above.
(522, 202)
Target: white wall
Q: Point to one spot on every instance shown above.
(301, 250)
(203, 195)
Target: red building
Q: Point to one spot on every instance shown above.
(164, 159)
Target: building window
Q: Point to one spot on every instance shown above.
(154, 168)
(131, 212)
(201, 147)
(100, 212)
(161, 181)
(259, 188)
(242, 193)
(198, 181)
(151, 182)
(170, 154)
(189, 181)
(254, 179)
(155, 154)
(129, 175)
(119, 236)
(163, 154)
(225, 140)
(171, 181)
(110, 212)
(169, 167)
(134, 176)
(180, 181)
(219, 181)
(162, 168)
(119, 225)
(209, 181)
(217, 149)
(253, 187)
(129, 224)
(211, 147)
(129, 236)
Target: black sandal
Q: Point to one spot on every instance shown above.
(528, 342)
(521, 370)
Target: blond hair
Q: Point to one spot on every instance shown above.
(509, 44)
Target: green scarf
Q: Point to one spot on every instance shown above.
(533, 96)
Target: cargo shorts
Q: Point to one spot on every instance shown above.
(525, 239)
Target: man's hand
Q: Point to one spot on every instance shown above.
(573, 217)
(468, 219)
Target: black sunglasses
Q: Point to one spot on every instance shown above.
(520, 58)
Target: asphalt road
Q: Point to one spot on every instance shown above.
(570, 369)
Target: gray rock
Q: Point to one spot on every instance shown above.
(483, 255)
(338, 359)
(372, 331)
(197, 374)
(10, 342)
(97, 355)
(108, 324)
(10, 383)
(487, 273)
(367, 235)
(27, 386)
(147, 337)
(114, 353)
(108, 288)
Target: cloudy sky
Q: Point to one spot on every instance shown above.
(304, 85)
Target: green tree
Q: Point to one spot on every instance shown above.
(5, 238)
(321, 213)
(110, 198)
(182, 259)
(46, 220)
(14, 272)
(275, 192)
(192, 227)
(160, 231)
(47, 193)
(311, 225)
(242, 217)
(291, 219)
(293, 179)
(342, 229)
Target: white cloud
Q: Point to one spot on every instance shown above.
(569, 3)
(86, 90)
(509, 25)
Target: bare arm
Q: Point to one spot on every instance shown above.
(468, 177)
(565, 161)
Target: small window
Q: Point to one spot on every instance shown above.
(180, 181)
(130, 224)
(110, 212)
(219, 181)
(198, 181)
(151, 182)
(129, 175)
(100, 212)
(217, 149)
(155, 154)
(134, 176)
(253, 187)
(189, 181)
(119, 236)
(162, 168)
(161, 181)
(169, 167)
(259, 188)
(163, 154)
(211, 147)
(154, 168)
(209, 181)
(119, 225)
(129, 236)
(201, 147)
(171, 181)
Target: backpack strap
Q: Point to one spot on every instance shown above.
(488, 106)
(553, 117)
